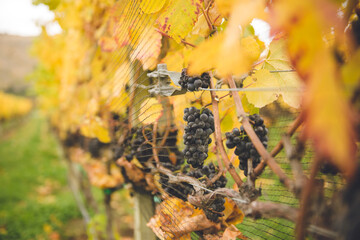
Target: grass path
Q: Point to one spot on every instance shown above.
(35, 202)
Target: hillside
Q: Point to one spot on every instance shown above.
(15, 62)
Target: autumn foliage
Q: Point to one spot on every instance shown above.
(13, 106)
(93, 84)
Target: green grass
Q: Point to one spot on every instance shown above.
(35, 201)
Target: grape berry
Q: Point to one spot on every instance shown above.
(244, 148)
(193, 83)
(328, 168)
(95, 146)
(214, 208)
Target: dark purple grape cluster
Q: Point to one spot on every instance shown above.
(349, 222)
(116, 121)
(125, 147)
(74, 139)
(95, 146)
(193, 83)
(169, 155)
(135, 145)
(355, 25)
(328, 168)
(210, 171)
(141, 149)
(179, 190)
(215, 208)
(200, 125)
(245, 149)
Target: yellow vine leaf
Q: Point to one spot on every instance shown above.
(116, 84)
(92, 107)
(232, 213)
(107, 44)
(243, 12)
(208, 55)
(228, 52)
(121, 77)
(228, 120)
(351, 72)
(278, 59)
(236, 54)
(152, 6)
(147, 48)
(118, 103)
(232, 233)
(170, 214)
(327, 113)
(174, 219)
(237, 57)
(201, 28)
(73, 19)
(99, 177)
(114, 91)
(261, 79)
(95, 128)
(215, 15)
(174, 61)
(248, 107)
(120, 21)
(324, 100)
(178, 18)
(225, 6)
(150, 111)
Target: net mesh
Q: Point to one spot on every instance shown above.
(125, 86)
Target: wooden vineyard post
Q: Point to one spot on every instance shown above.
(144, 206)
(144, 210)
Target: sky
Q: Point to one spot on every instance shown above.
(262, 30)
(20, 17)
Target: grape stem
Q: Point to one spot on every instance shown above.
(259, 209)
(305, 201)
(294, 126)
(250, 179)
(218, 157)
(295, 154)
(218, 139)
(269, 160)
(219, 99)
(198, 186)
(153, 143)
(154, 149)
(208, 21)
